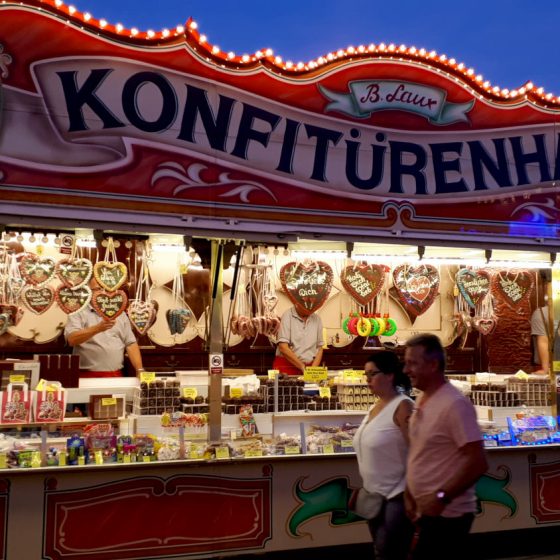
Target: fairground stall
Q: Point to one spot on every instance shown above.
(390, 189)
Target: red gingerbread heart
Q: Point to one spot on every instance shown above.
(307, 285)
(74, 272)
(72, 300)
(39, 299)
(109, 305)
(363, 282)
(36, 270)
(415, 288)
(513, 287)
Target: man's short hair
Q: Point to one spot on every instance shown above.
(432, 346)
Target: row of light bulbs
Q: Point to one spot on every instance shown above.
(537, 93)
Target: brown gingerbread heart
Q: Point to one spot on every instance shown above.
(72, 300)
(415, 287)
(36, 270)
(363, 282)
(473, 285)
(74, 272)
(142, 315)
(110, 275)
(513, 287)
(38, 299)
(485, 326)
(109, 304)
(307, 285)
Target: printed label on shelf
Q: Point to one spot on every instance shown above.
(254, 453)
(35, 459)
(235, 392)
(109, 401)
(314, 374)
(222, 452)
(329, 448)
(272, 373)
(291, 450)
(146, 458)
(346, 443)
(147, 376)
(126, 458)
(17, 378)
(325, 392)
(194, 452)
(3, 461)
(62, 459)
(81, 460)
(99, 457)
(190, 392)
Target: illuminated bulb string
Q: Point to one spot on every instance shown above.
(527, 92)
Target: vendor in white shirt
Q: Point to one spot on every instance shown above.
(101, 343)
(300, 341)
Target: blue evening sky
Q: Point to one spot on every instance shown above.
(509, 42)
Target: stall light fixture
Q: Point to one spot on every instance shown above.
(318, 254)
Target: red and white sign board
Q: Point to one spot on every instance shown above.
(377, 137)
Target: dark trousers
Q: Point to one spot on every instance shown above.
(443, 538)
(391, 531)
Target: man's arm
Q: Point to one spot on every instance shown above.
(290, 355)
(83, 335)
(473, 466)
(135, 357)
(543, 353)
(318, 357)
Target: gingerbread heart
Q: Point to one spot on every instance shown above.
(74, 272)
(415, 287)
(110, 275)
(513, 287)
(4, 323)
(307, 285)
(72, 300)
(14, 286)
(178, 319)
(38, 299)
(142, 315)
(14, 313)
(363, 282)
(36, 270)
(485, 326)
(109, 304)
(474, 285)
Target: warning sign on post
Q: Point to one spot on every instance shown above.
(216, 364)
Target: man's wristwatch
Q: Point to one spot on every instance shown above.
(442, 496)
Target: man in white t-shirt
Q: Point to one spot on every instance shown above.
(446, 456)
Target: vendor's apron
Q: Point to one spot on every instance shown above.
(284, 366)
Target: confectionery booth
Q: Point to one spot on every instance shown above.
(389, 189)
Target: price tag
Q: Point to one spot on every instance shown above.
(109, 401)
(62, 459)
(222, 452)
(147, 376)
(235, 392)
(146, 458)
(346, 444)
(272, 373)
(556, 365)
(315, 374)
(3, 461)
(99, 457)
(194, 452)
(81, 460)
(17, 378)
(190, 392)
(233, 434)
(35, 459)
(325, 392)
(328, 448)
(126, 458)
(291, 449)
(254, 453)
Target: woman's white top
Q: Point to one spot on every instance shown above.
(381, 450)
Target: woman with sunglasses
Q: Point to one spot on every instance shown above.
(381, 445)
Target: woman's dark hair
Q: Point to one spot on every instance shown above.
(388, 362)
